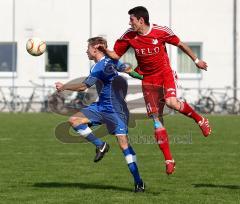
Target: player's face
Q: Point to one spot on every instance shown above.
(135, 23)
(91, 51)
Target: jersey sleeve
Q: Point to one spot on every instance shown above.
(122, 44)
(93, 77)
(169, 37)
(90, 81)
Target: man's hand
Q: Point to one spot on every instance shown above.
(131, 72)
(128, 70)
(101, 47)
(201, 65)
(186, 49)
(106, 51)
(59, 86)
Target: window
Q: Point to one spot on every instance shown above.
(185, 65)
(129, 57)
(8, 57)
(56, 58)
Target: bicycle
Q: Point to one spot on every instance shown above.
(33, 105)
(13, 104)
(227, 104)
(205, 104)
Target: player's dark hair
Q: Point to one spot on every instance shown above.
(97, 40)
(140, 11)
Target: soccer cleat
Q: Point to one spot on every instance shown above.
(100, 151)
(205, 127)
(170, 166)
(139, 187)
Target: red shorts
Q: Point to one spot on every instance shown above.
(157, 88)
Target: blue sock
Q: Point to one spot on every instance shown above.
(131, 150)
(130, 157)
(86, 132)
(94, 140)
(157, 123)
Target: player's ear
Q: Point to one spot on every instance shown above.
(141, 20)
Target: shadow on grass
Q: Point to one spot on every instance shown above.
(204, 185)
(80, 185)
(87, 186)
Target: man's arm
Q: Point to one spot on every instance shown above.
(71, 87)
(186, 49)
(112, 54)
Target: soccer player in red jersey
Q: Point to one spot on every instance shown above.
(148, 41)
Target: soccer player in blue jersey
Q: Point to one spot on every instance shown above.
(110, 109)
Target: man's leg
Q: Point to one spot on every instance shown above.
(131, 160)
(161, 137)
(182, 107)
(117, 125)
(153, 96)
(188, 111)
(79, 122)
(161, 105)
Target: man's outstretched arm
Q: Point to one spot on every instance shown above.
(186, 49)
(71, 87)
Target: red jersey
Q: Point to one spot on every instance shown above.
(150, 49)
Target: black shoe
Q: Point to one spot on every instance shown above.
(140, 187)
(100, 151)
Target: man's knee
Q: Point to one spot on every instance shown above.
(173, 103)
(74, 120)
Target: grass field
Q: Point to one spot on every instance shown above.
(37, 168)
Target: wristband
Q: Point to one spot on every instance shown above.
(196, 60)
(134, 74)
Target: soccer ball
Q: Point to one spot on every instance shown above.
(35, 46)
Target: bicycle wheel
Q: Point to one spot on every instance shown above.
(205, 105)
(16, 104)
(232, 105)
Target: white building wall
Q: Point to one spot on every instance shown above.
(113, 20)
(204, 21)
(209, 22)
(5, 20)
(53, 21)
(238, 42)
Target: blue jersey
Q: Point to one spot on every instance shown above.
(111, 95)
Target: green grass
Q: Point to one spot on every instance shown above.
(37, 168)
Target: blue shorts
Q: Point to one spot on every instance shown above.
(117, 123)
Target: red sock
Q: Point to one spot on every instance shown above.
(162, 140)
(189, 112)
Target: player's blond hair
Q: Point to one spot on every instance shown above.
(97, 40)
